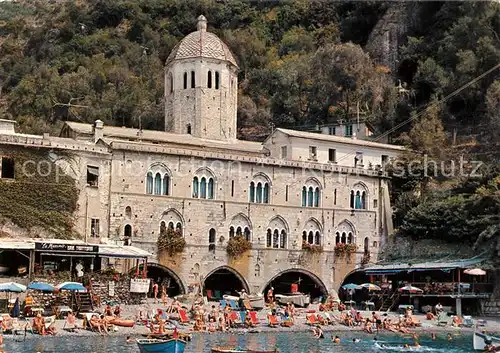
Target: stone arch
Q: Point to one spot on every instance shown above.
(156, 271)
(231, 285)
(278, 222)
(281, 279)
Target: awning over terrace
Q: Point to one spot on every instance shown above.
(446, 266)
(119, 251)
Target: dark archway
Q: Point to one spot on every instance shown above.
(164, 276)
(308, 283)
(224, 280)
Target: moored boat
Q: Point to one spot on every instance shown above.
(257, 302)
(168, 335)
(241, 350)
(122, 322)
(161, 346)
(480, 340)
(297, 299)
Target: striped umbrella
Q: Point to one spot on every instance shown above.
(370, 286)
(12, 287)
(410, 289)
(351, 286)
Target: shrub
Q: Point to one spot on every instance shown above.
(237, 245)
(311, 247)
(170, 241)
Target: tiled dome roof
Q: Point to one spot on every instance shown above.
(201, 44)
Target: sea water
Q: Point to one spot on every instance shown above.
(287, 342)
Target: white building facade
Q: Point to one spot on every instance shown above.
(196, 177)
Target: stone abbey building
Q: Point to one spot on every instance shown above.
(196, 177)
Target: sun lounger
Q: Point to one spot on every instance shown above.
(233, 305)
(442, 319)
(223, 304)
(468, 322)
(183, 316)
(247, 304)
(235, 318)
(243, 315)
(272, 320)
(311, 319)
(218, 294)
(253, 317)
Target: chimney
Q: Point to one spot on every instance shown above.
(7, 127)
(98, 130)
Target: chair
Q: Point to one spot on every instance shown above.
(468, 322)
(442, 319)
(218, 294)
(183, 316)
(272, 320)
(247, 304)
(70, 324)
(233, 305)
(223, 304)
(243, 316)
(235, 318)
(253, 317)
(311, 319)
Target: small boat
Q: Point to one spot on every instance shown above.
(241, 350)
(298, 299)
(257, 302)
(480, 340)
(155, 345)
(168, 335)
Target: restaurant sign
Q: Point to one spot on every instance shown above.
(67, 247)
(139, 285)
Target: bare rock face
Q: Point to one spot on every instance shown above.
(391, 32)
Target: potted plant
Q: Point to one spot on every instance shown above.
(237, 245)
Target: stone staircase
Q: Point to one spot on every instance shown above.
(84, 302)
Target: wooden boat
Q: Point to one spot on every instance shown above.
(257, 302)
(161, 346)
(122, 322)
(168, 335)
(480, 340)
(298, 299)
(241, 350)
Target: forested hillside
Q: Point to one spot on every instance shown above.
(301, 62)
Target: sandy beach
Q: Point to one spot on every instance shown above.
(132, 311)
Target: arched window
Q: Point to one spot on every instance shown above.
(209, 79)
(312, 232)
(265, 198)
(359, 197)
(241, 225)
(158, 180)
(185, 80)
(127, 231)
(350, 238)
(337, 238)
(247, 233)
(171, 82)
(211, 239)
(257, 270)
(195, 187)
(258, 196)
(231, 232)
(203, 188)
(158, 184)
(259, 188)
(204, 184)
(128, 212)
(346, 230)
(252, 192)
(163, 227)
(188, 129)
(193, 82)
(174, 221)
(239, 232)
(210, 188)
(171, 225)
(217, 79)
(277, 233)
(367, 244)
(149, 183)
(375, 244)
(344, 238)
(311, 194)
(178, 227)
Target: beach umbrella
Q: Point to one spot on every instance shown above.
(410, 289)
(71, 286)
(370, 286)
(41, 286)
(351, 286)
(12, 287)
(475, 272)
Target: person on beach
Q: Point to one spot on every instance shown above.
(117, 311)
(38, 324)
(450, 337)
(163, 295)
(155, 292)
(107, 310)
(129, 340)
(318, 333)
(270, 295)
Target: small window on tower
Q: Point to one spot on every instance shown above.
(193, 82)
(171, 82)
(217, 79)
(209, 79)
(185, 80)
(188, 129)
(92, 176)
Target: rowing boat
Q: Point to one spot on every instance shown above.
(241, 350)
(161, 346)
(481, 340)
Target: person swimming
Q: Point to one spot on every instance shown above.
(356, 340)
(129, 340)
(449, 337)
(433, 336)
